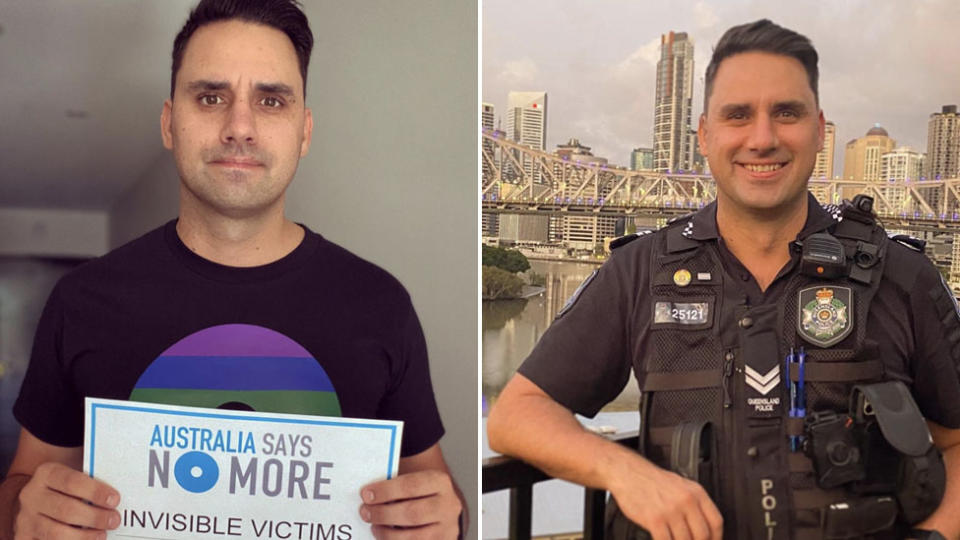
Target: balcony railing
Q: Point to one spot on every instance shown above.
(503, 472)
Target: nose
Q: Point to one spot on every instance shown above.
(239, 126)
(763, 134)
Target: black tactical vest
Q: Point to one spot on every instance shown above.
(715, 359)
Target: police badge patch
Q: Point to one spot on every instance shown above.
(826, 314)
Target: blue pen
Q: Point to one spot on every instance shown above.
(791, 358)
(801, 396)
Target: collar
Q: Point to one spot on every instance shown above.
(702, 225)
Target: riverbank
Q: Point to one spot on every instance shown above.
(551, 258)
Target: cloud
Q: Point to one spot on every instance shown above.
(520, 72)
(704, 17)
(644, 58)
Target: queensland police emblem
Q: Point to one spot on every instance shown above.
(826, 314)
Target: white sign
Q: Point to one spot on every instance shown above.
(186, 472)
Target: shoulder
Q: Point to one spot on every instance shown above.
(118, 265)
(369, 279)
(907, 266)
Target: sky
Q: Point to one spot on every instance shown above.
(883, 62)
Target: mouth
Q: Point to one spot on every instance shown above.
(764, 168)
(237, 163)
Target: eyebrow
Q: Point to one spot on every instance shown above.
(743, 108)
(266, 88)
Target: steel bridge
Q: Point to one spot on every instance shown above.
(519, 180)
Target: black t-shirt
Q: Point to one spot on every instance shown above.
(585, 358)
(319, 331)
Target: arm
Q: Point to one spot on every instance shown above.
(944, 518)
(525, 422)
(45, 494)
(423, 499)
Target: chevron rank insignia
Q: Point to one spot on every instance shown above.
(764, 404)
(826, 314)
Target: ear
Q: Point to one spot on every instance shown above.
(821, 131)
(702, 133)
(166, 124)
(307, 131)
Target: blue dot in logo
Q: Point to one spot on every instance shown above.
(196, 472)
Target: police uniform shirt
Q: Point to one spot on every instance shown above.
(584, 359)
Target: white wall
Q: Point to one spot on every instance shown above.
(53, 233)
(392, 176)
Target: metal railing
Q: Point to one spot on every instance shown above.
(502, 472)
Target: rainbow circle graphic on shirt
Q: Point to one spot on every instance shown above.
(239, 366)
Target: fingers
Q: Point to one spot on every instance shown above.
(77, 484)
(713, 517)
(54, 503)
(420, 504)
(44, 527)
(416, 512)
(407, 486)
(674, 508)
(430, 532)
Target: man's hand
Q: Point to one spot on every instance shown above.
(528, 424)
(420, 504)
(666, 504)
(55, 501)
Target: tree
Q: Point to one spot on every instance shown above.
(499, 283)
(506, 259)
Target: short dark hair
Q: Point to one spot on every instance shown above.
(284, 15)
(763, 36)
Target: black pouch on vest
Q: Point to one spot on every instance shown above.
(857, 517)
(691, 453)
(921, 479)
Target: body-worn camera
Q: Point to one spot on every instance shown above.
(833, 443)
(880, 447)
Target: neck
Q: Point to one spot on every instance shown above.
(241, 242)
(761, 241)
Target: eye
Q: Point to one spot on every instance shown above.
(210, 99)
(272, 102)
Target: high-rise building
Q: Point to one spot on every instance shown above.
(527, 124)
(824, 165)
(943, 144)
(486, 123)
(901, 164)
(489, 223)
(896, 167)
(641, 159)
(581, 232)
(673, 106)
(861, 159)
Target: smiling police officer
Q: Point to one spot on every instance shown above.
(774, 341)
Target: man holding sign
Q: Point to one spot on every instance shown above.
(230, 306)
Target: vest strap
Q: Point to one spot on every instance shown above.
(681, 380)
(815, 498)
(799, 463)
(838, 371)
(794, 426)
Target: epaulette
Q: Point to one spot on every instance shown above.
(624, 240)
(834, 210)
(915, 244)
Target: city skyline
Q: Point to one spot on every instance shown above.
(895, 71)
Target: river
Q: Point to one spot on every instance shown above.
(512, 327)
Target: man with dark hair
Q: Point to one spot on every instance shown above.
(234, 272)
(722, 314)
